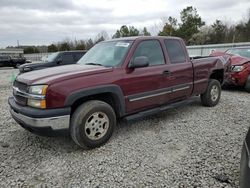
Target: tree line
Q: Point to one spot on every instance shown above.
(194, 30)
(191, 27)
(124, 31)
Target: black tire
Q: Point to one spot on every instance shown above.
(207, 98)
(82, 119)
(247, 86)
(16, 66)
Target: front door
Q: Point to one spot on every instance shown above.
(144, 87)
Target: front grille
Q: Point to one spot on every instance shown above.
(23, 87)
(20, 85)
(20, 100)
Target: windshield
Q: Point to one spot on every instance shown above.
(106, 54)
(244, 52)
(50, 58)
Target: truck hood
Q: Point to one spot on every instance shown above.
(55, 74)
(31, 66)
(238, 60)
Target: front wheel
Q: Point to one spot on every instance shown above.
(212, 94)
(92, 124)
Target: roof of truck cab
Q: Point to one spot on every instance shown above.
(142, 38)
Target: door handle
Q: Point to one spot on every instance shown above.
(166, 73)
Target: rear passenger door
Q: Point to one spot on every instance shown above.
(67, 58)
(180, 70)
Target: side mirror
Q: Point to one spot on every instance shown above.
(141, 61)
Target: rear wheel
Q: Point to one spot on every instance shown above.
(212, 95)
(92, 124)
(247, 86)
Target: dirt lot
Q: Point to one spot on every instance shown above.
(190, 146)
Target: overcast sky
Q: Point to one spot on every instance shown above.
(46, 21)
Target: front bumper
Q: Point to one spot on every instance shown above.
(237, 78)
(40, 121)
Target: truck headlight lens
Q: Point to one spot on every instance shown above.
(237, 68)
(37, 103)
(37, 96)
(38, 89)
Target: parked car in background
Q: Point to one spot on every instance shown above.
(54, 59)
(8, 61)
(245, 163)
(240, 67)
(125, 78)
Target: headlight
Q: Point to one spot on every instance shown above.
(38, 89)
(26, 68)
(237, 68)
(37, 103)
(37, 97)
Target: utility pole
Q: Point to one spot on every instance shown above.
(18, 43)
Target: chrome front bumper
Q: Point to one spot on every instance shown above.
(45, 122)
(55, 123)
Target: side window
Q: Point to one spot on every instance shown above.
(152, 50)
(78, 56)
(175, 51)
(67, 59)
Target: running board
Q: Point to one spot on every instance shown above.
(156, 110)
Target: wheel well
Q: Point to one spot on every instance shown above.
(105, 97)
(218, 75)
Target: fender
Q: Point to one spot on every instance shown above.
(111, 88)
(219, 65)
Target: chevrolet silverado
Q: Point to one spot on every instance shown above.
(123, 78)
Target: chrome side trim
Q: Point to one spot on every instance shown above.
(148, 96)
(17, 91)
(179, 89)
(160, 93)
(56, 123)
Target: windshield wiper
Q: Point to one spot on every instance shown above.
(94, 64)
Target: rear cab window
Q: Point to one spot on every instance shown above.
(175, 51)
(152, 50)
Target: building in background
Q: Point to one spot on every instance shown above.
(13, 52)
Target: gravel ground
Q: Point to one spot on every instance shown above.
(190, 146)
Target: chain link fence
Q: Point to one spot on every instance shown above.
(204, 50)
(198, 50)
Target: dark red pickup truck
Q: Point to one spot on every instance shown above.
(122, 78)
